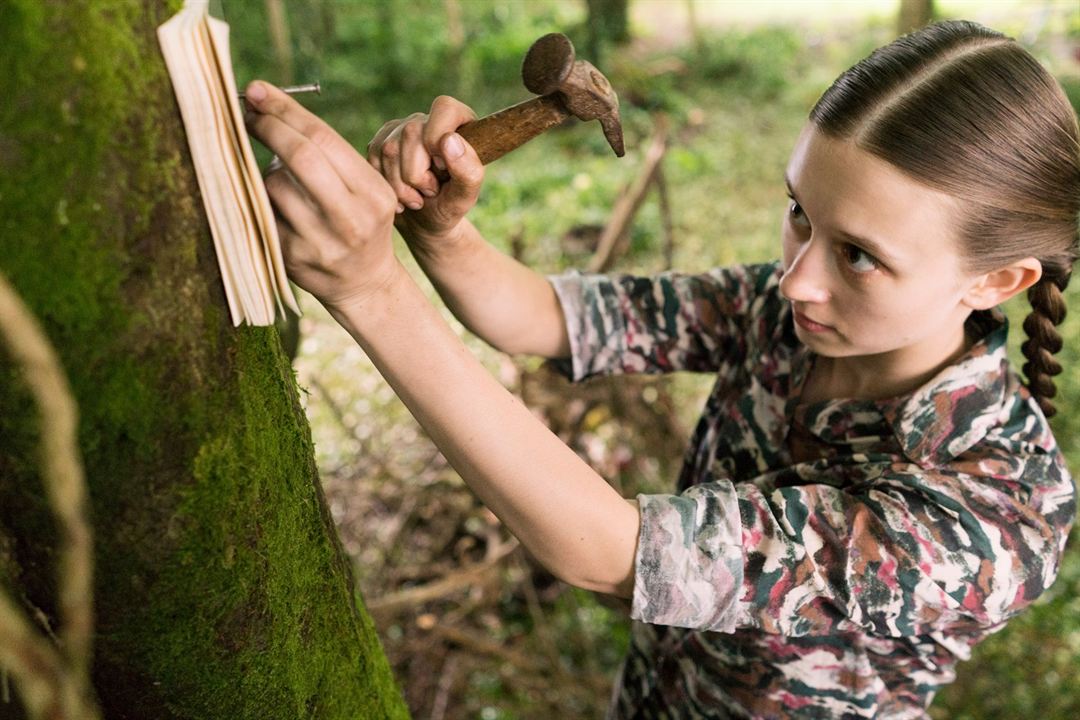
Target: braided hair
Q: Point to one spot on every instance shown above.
(967, 111)
(1047, 312)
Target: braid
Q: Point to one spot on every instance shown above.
(1047, 312)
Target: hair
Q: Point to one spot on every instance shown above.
(967, 111)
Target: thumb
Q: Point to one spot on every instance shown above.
(466, 175)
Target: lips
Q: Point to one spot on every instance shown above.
(807, 324)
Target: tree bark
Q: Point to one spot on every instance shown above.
(221, 590)
(608, 24)
(279, 37)
(914, 14)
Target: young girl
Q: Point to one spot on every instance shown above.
(871, 489)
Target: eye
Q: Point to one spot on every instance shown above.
(796, 214)
(858, 259)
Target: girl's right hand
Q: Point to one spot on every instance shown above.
(405, 151)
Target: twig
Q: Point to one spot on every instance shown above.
(65, 487)
(339, 415)
(665, 217)
(486, 647)
(36, 666)
(630, 201)
(442, 691)
(440, 588)
(379, 459)
(540, 624)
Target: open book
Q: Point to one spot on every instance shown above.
(196, 51)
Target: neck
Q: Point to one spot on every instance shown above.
(884, 375)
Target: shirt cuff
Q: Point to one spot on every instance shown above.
(569, 289)
(689, 564)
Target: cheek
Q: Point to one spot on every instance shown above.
(891, 316)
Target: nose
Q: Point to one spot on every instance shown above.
(805, 275)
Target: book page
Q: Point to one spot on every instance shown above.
(260, 201)
(196, 51)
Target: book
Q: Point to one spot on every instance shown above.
(196, 51)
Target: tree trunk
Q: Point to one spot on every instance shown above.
(279, 37)
(221, 590)
(609, 24)
(914, 14)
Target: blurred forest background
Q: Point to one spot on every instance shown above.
(719, 91)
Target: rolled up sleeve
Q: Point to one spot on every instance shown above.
(689, 563)
(666, 323)
(907, 554)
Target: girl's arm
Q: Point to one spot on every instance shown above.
(505, 303)
(336, 214)
(510, 306)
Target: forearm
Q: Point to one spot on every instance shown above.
(508, 305)
(565, 514)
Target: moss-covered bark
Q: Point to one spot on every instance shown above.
(221, 590)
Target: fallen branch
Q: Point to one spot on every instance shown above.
(487, 647)
(665, 217)
(447, 585)
(613, 239)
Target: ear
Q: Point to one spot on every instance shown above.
(997, 286)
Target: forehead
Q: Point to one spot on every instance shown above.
(845, 190)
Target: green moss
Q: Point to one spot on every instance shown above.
(276, 578)
(222, 591)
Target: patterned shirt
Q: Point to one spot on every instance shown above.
(824, 560)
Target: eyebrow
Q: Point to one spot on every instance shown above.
(870, 245)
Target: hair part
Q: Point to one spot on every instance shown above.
(967, 111)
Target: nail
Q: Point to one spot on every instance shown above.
(415, 204)
(400, 208)
(427, 192)
(314, 87)
(256, 91)
(290, 90)
(455, 146)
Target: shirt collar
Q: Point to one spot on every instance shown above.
(957, 407)
(935, 423)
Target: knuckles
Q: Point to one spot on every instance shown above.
(391, 147)
(277, 182)
(444, 103)
(306, 156)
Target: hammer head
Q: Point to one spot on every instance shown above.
(550, 67)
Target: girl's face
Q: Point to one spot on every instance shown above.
(871, 265)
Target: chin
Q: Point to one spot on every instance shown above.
(828, 344)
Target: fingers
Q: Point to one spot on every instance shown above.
(447, 115)
(466, 176)
(416, 166)
(325, 188)
(306, 144)
(405, 163)
(405, 151)
(293, 207)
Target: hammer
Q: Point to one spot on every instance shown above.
(566, 87)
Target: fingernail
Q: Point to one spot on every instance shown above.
(400, 208)
(427, 192)
(415, 204)
(439, 162)
(256, 91)
(455, 147)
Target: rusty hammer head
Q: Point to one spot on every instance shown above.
(549, 67)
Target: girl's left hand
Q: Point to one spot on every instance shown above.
(335, 212)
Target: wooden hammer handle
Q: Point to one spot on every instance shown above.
(495, 135)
